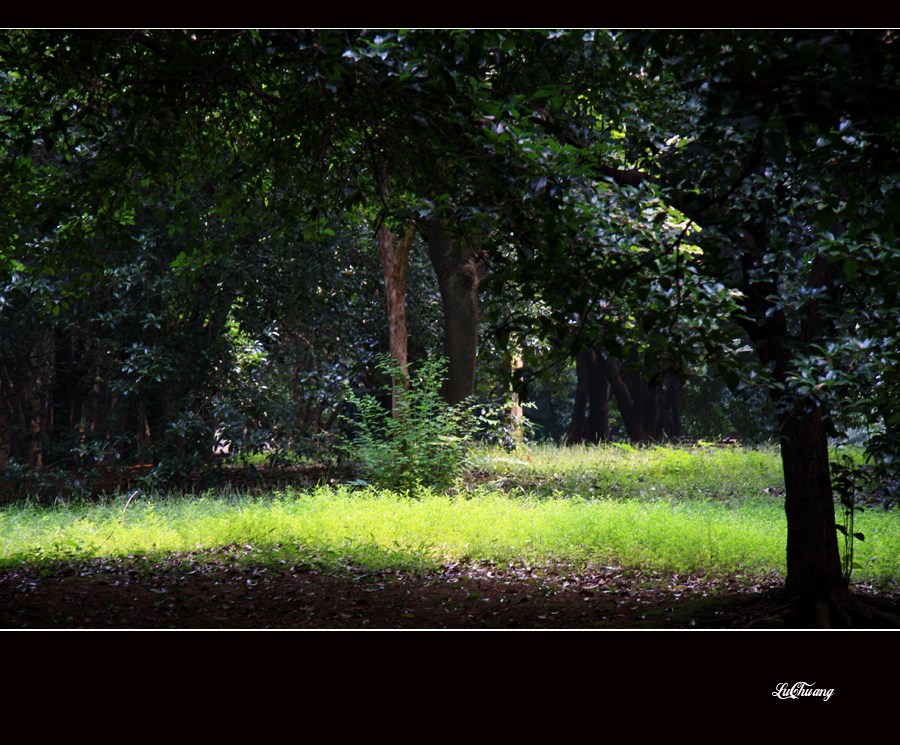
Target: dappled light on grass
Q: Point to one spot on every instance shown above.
(658, 509)
(381, 528)
(622, 471)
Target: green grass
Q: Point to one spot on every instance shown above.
(623, 471)
(691, 510)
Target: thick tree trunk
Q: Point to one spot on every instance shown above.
(394, 265)
(814, 580)
(598, 398)
(460, 269)
(577, 428)
(650, 412)
(813, 561)
(643, 397)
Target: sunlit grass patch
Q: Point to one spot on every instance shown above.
(713, 510)
(624, 471)
(384, 529)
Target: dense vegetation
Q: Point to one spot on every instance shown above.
(210, 235)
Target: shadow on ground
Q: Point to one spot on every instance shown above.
(205, 592)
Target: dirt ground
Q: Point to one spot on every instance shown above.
(215, 591)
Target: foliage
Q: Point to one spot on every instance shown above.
(768, 148)
(421, 441)
(846, 476)
(310, 318)
(712, 411)
(801, 199)
(506, 425)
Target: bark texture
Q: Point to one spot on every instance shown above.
(394, 265)
(460, 269)
(813, 560)
(814, 575)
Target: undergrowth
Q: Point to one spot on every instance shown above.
(421, 441)
(675, 511)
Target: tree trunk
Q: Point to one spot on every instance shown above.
(598, 397)
(814, 580)
(670, 410)
(650, 412)
(628, 398)
(68, 394)
(590, 419)
(813, 560)
(577, 428)
(25, 402)
(460, 269)
(394, 265)
(516, 412)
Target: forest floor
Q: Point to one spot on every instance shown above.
(216, 591)
(225, 589)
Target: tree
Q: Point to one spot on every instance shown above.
(590, 417)
(155, 205)
(801, 185)
(773, 150)
(788, 166)
(263, 136)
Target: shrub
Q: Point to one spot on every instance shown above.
(422, 442)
